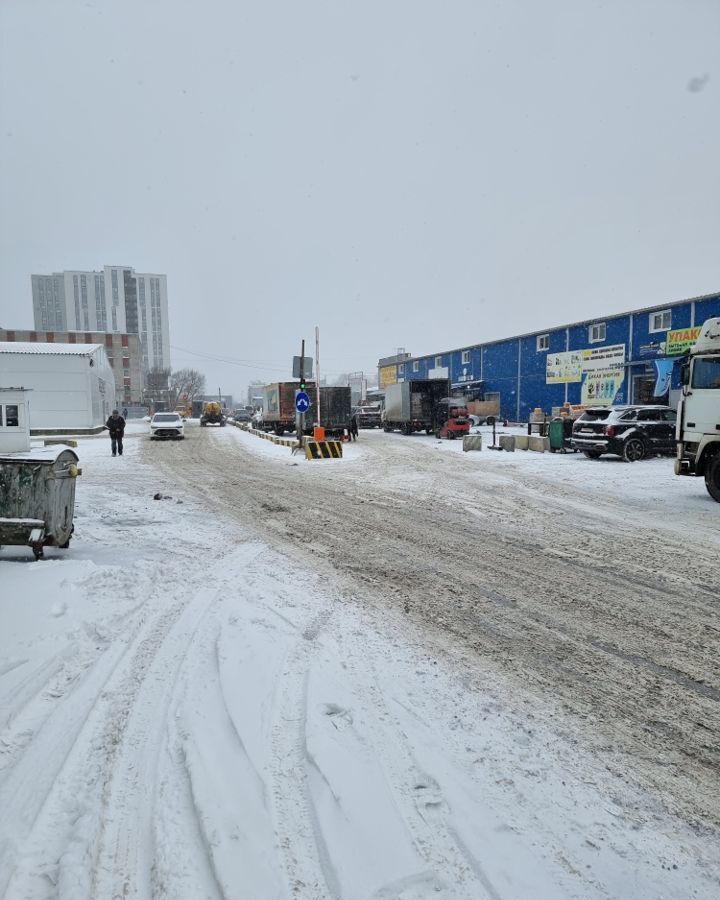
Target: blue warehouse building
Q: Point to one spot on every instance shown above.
(627, 358)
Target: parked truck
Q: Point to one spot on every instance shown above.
(412, 405)
(335, 411)
(279, 411)
(698, 421)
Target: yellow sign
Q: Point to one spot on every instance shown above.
(681, 339)
(387, 375)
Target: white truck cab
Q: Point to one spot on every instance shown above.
(698, 421)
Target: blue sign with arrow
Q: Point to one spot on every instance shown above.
(302, 402)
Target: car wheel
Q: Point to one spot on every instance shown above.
(592, 454)
(712, 477)
(634, 450)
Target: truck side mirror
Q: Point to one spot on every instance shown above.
(685, 374)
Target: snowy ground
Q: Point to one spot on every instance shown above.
(412, 673)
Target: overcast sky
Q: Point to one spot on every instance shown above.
(422, 174)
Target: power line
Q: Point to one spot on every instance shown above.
(243, 364)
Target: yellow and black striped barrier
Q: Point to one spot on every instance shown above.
(323, 449)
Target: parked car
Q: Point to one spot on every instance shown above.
(242, 415)
(167, 425)
(632, 432)
(368, 416)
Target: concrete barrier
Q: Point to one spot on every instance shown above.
(539, 444)
(472, 442)
(507, 442)
(323, 449)
(267, 436)
(521, 441)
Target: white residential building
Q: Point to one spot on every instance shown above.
(116, 300)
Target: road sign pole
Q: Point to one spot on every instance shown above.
(302, 379)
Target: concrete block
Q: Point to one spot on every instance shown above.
(507, 442)
(521, 441)
(472, 442)
(539, 444)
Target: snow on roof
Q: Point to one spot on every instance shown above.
(47, 349)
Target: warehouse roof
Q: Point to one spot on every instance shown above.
(41, 349)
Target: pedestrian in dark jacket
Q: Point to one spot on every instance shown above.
(354, 427)
(116, 426)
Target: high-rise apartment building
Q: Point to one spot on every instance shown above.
(117, 300)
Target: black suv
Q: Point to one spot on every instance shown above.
(632, 432)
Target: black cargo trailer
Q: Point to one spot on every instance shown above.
(335, 410)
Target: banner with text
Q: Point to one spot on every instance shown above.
(681, 340)
(600, 369)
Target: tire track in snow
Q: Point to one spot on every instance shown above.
(124, 860)
(308, 867)
(29, 784)
(419, 798)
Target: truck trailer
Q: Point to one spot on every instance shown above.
(279, 405)
(279, 413)
(412, 405)
(698, 421)
(335, 411)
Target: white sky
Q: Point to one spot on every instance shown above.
(402, 173)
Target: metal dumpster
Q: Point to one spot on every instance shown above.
(37, 497)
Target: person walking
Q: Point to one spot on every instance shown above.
(116, 426)
(124, 412)
(354, 427)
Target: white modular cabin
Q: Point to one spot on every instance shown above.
(73, 386)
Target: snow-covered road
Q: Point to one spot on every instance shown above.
(411, 673)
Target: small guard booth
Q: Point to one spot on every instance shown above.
(37, 484)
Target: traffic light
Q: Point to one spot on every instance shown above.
(302, 384)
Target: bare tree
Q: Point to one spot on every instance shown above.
(186, 384)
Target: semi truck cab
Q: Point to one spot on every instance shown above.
(698, 421)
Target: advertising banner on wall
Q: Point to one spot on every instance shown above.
(564, 368)
(681, 340)
(600, 369)
(603, 374)
(387, 375)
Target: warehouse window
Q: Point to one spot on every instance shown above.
(438, 362)
(597, 332)
(543, 342)
(416, 366)
(401, 369)
(660, 321)
(466, 357)
(12, 416)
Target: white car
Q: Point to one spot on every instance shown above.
(167, 425)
